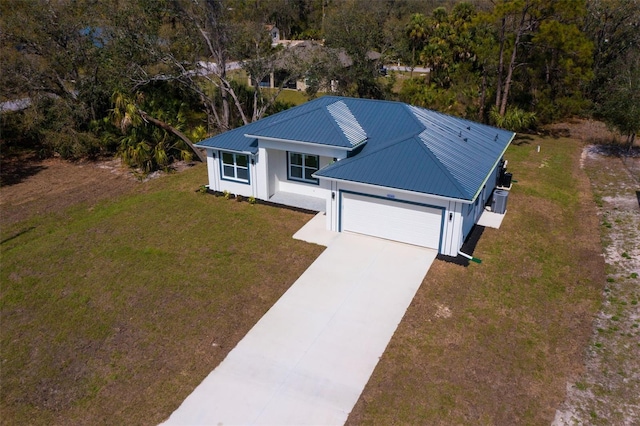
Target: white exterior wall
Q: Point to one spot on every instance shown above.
(217, 183)
(261, 170)
(472, 214)
(268, 173)
(213, 170)
(451, 238)
(278, 181)
(272, 168)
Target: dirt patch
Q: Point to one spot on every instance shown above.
(590, 131)
(32, 186)
(607, 392)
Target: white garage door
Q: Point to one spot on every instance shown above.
(392, 220)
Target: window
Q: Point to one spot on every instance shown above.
(235, 166)
(302, 166)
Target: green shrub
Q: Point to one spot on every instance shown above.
(515, 119)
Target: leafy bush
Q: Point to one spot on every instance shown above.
(145, 145)
(461, 101)
(52, 126)
(515, 119)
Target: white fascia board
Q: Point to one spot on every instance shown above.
(228, 150)
(484, 182)
(403, 191)
(322, 145)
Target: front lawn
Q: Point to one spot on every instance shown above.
(112, 314)
(496, 343)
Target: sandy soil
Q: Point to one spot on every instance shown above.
(608, 391)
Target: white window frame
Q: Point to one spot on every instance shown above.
(235, 167)
(303, 167)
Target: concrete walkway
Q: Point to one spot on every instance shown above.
(309, 357)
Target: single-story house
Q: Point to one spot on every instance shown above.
(304, 50)
(380, 168)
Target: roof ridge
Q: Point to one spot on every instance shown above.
(440, 164)
(408, 109)
(355, 158)
(290, 116)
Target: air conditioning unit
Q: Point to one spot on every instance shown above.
(499, 202)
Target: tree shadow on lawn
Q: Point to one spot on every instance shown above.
(16, 168)
(522, 139)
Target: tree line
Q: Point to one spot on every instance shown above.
(148, 78)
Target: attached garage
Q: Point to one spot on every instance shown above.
(391, 219)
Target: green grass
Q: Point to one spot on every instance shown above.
(520, 320)
(112, 314)
(293, 97)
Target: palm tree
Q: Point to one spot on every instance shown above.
(417, 32)
(149, 141)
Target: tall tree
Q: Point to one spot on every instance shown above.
(619, 97)
(614, 28)
(356, 27)
(417, 34)
(52, 54)
(197, 45)
(526, 28)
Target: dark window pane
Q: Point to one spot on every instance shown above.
(296, 172)
(243, 174)
(308, 173)
(295, 159)
(227, 158)
(312, 161)
(242, 160)
(228, 171)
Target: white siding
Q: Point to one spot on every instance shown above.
(213, 170)
(217, 183)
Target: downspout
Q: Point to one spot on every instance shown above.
(471, 258)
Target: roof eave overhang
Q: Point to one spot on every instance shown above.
(323, 145)
(389, 188)
(225, 149)
(484, 182)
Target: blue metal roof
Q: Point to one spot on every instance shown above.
(408, 147)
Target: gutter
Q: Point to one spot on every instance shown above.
(225, 150)
(484, 182)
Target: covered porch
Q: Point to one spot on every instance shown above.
(300, 201)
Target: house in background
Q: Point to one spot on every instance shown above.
(380, 168)
(274, 33)
(303, 50)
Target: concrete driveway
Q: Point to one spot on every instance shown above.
(309, 357)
